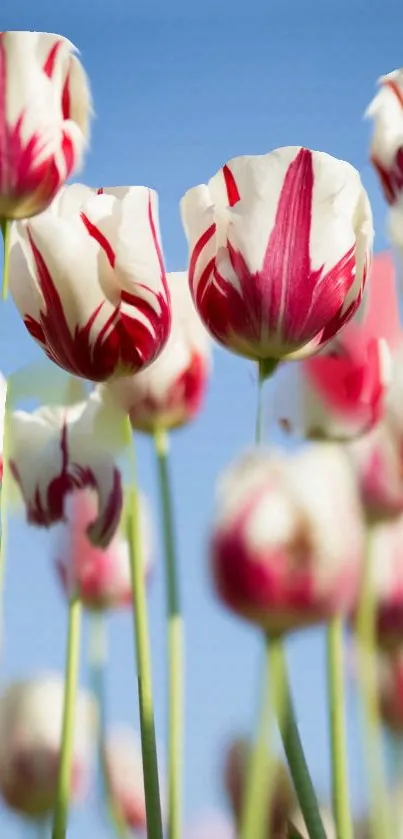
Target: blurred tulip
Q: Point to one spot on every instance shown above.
(297, 822)
(385, 545)
(101, 577)
(45, 106)
(280, 245)
(30, 732)
(171, 391)
(386, 110)
(389, 677)
(343, 390)
(88, 279)
(124, 767)
(282, 798)
(56, 450)
(288, 538)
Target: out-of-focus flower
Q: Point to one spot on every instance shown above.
(298, 823)
(377, 461)
(88, 278)
(343, 390)
(31, 714)
(56, 450)
(214, 825)
(388, 670)
(386, 110)
(124, 767)
(288, 538)
(385, 546)
(282, 800)
(280, 246)
(45, 107)
(101, 577)
(3, 396)
(170, 392)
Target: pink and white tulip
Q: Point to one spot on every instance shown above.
(386, 110)
(56, 450)
(377, 461)
(171, 391)
(124, 767)
(280, 247)
(45, 108)
(88, 278)
(344, 389)
(101, 577)
(31, 714)
(288, 538)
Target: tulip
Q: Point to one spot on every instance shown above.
(88, 278)
(385, 546)
(100, 577)
(280, 246)
(282, 800)
(124, 768)
(45, 109)
(344, 389)
(386, 110)
(288, 538)
(170, 392)
(31, 714)
(56, 450)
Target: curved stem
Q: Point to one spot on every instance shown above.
(6, 231)
(60, 815)
(97, 660)
(295, 754)
(338, 737)
(175, 644)
(369, 700)
(143, 661)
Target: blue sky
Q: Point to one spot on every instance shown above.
(178, 89)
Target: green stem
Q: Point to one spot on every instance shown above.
(259, 407)
(6, 231)
(143, 661)
(295, 754)
(338, 737)
(97, 660)
(60, 814)
(175, 644)
(369, 700)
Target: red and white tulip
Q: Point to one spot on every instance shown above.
(288, 538)
(45, 108)
(170, 392)
(101, 577)
(377, 461)
(386, 110)
(280, 247)
(343, 390)
(124, 767)
(88, 278)
(56, 450)
(31, 713)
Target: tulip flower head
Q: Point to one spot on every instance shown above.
(101, 577)
(282, 799)
(56, 450)
(280, 246)
(31, 714)
(88, 278)
(45, 107)
(386, 110)
(288, 537)
(344, 388)
(124, 768)
(170, 392)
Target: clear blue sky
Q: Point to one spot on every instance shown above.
(178, 89)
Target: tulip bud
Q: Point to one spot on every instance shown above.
(170, 392)
(386, 110)
(45, 108)
(280, 246)
(288, 538)
(88, 279)
(31, 714)
(101, 578)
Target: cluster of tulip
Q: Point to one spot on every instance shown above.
(280, 268)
